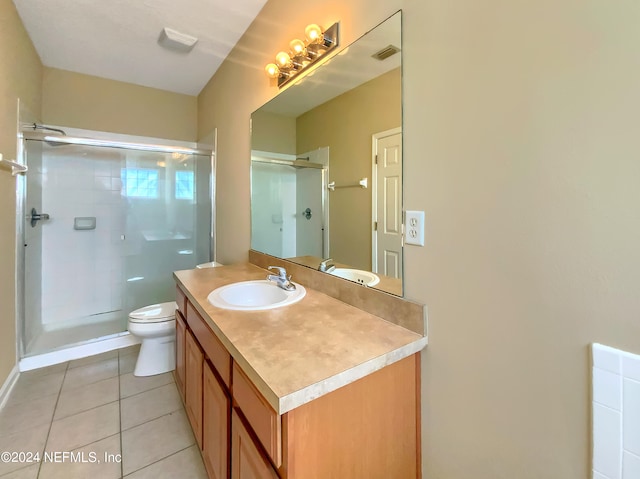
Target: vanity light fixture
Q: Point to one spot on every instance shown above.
(303, 54)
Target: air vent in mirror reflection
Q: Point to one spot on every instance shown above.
(386, 52)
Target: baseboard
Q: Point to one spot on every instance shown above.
(6, 388)
(76, 352)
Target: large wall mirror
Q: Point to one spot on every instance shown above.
(326, 165)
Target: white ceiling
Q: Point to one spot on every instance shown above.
(118, 39)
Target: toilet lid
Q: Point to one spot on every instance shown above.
(154, 313)
(211, 264)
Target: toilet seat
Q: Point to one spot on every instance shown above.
(154, 313)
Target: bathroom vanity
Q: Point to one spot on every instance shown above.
(315, 390)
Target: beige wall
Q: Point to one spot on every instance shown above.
(371, 108)
(93, 103)
(272, 132)
(521, 144)
(20, 77)
(74, 100)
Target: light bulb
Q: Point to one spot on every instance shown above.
(272, 70)
(297, 47)
(313, 33)
(283, 60)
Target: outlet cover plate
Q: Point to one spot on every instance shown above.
(414, 228)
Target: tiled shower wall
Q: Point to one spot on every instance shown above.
(273, 219)
(280, 194)
(616, 414)
(82, 269)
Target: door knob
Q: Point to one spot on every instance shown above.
(35, 217)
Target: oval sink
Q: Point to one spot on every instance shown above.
(359, 276)
(254, 295)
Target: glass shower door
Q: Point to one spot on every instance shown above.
(167, 215)
(120, 222)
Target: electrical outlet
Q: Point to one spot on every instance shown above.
(414, 228)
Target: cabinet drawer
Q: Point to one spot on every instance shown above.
(264, 421)
(181, 300)
(211, 345)
(216, 407)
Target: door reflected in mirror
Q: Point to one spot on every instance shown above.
(326, 165)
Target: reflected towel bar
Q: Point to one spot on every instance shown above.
(15, 167)
(362, 184)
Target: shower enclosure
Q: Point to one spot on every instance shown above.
(289, 204)
(104, 224)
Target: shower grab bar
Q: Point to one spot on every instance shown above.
(362, 184)
(16, 168)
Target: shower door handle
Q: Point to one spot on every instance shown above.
(35, 217)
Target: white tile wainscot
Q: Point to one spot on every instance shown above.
(616, 413)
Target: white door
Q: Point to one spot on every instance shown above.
(387, 207)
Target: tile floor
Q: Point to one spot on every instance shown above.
(98, 410)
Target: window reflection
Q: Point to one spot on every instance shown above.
(139, 182)
(184, 185)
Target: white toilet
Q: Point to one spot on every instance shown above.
(210, 264)
(155, 325)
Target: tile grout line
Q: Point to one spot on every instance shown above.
(120, 408)
(96, 381)
(120, 420)
(74, 388)
(92, 442)
(161, 459)
(153, 419)
(146, 422)
(46, 441)
(81, 412)
(91, 363)
(147, 390)
(95, 407)
(84, 410)
(59, 394)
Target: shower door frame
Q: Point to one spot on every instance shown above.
(21, 204)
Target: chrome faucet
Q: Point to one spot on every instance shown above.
(325, 266)
(281, 279)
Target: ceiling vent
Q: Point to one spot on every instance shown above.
(174, 40)
(386, 52)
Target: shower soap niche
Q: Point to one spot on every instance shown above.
(84, 223)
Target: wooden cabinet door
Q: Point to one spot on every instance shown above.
(215, 426)
(193, 385)
(247, 462)
(265, 423)
(181, 331)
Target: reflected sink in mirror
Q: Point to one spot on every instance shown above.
(257, 295)
(359, 276)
